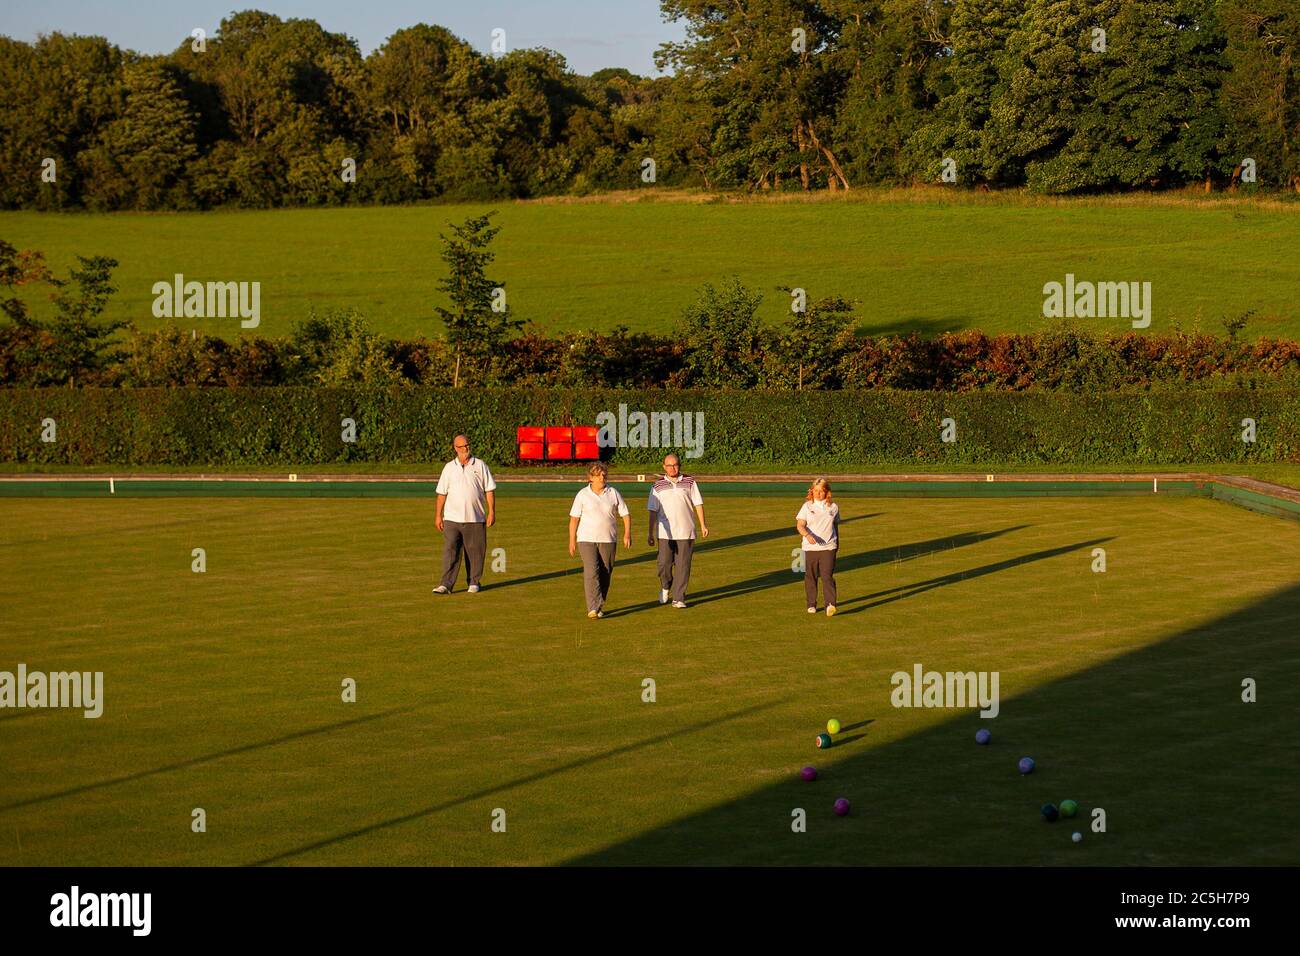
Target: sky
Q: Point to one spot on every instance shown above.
(591, 34)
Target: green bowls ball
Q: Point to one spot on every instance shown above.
(823, 741)
(1069, 808)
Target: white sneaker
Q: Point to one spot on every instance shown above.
(830, 610)
(473, 589)
(592, 614)
(600, 614)
(440, 589)
(663, 595)
(679, 604)
(812, 610)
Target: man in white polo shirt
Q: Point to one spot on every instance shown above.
(466, 509)
(674, 503)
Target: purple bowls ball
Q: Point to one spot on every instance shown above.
(841, 807)
(808, 773)
(1026, 764)
(983, 736)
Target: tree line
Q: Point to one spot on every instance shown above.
(1061, 96)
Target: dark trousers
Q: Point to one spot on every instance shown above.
(819, 565)
(597, 570)
(469, 539)
(675, 566)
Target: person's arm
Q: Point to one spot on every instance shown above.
(491, 508)
(653, 505)
(804, 532)
(573, 536)
(627, 531)
(437, 518)
(698, 502)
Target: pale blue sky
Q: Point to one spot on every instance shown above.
(590, 33)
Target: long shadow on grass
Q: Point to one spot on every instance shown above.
(920, 587)
(206, 758)
(521, 781)
(1159, 737)
(853, 562)
(713, 544)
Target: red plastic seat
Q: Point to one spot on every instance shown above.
(559, 434)
(559, 450)
(531, 451)
(586, 451)
(529, 434)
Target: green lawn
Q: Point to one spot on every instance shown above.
(223, 689)
(929, 265)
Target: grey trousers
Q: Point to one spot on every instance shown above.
(597, 569)
(675, 566)
(819, 564)
(468, 539)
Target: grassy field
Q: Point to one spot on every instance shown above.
(222, 689)
(929, 264)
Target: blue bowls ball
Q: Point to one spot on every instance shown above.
(1026, 764)
(1050, 812)
(983, 736)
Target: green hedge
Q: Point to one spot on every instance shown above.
(302, 426)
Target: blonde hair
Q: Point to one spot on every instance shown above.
(597, 468)
(815, 482)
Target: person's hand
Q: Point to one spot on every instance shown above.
(650, 540)
(438, 522)
(491, 518)
(572, 549)
(627, 539)
(810, 538)
(704, 531)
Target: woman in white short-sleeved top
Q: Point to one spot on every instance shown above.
(818, 524)
(593, 530)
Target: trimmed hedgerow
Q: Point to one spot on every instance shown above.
(287, 425)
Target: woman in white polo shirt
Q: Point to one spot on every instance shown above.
(593, 530)
(818, 523)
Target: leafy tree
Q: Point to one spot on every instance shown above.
(894, 55)
(1141, 112)
(82, 343)
(143, 156)
(974, 40)
(722, 337)
(746, 56)
(1261, 93)
(811, 343)
(475, 331)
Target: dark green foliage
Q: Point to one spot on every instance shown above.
(723, 338)
(274, 112)
(300, 426)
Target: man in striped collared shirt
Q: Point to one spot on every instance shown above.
(674, 504)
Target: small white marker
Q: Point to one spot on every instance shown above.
(640, 477)
(988, 477)
(111, 489)
(1155, 486)
(293, 477)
